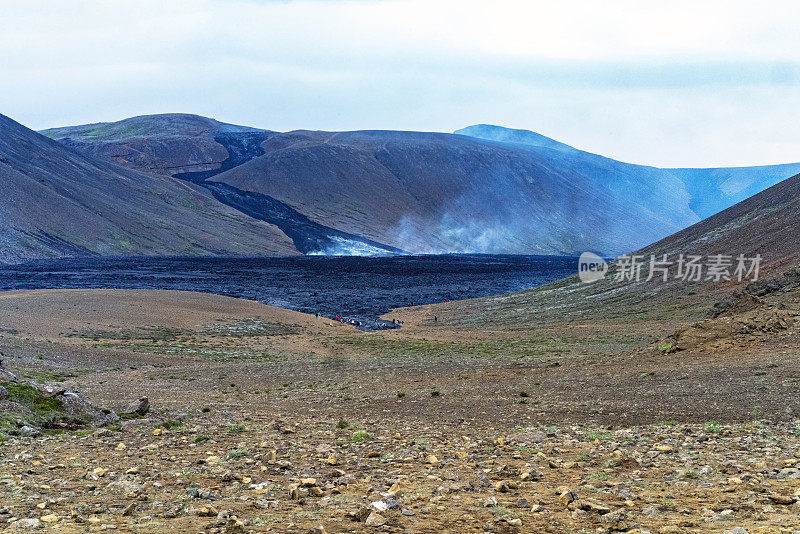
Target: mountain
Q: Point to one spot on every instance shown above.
(501, 134)
(166, 144)
(431, 192)
(710, 190)
(483, 189)
(193, 149)
(58, 202)
(768, 224)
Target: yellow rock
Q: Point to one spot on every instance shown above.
(36, 462)
(49, 518)
(308, 482)
(99, 471)
(207, 511)
(565, 498)
(158, 431)
(212, 460)
(41, 505)
(120, 446)
(331, 460)
(132, 471)
(432, 459)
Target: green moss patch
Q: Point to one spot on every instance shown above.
(43, 410)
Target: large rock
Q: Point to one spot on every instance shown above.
(6, 375)
(527, 437)
(136, 408)
(80, 409)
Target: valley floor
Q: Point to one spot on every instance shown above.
(269, 420)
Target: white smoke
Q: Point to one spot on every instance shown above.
(449, 236)
(349, 247)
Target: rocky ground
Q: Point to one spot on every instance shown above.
(265, 420)
(312, 475)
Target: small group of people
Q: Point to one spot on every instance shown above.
(346, 320)
(379, 324)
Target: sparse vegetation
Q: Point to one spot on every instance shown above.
(173, 425)
(360, 435)
(235, 454)
(40, 410)
(712, 427)
(667, 348)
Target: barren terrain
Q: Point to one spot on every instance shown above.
(485, 419)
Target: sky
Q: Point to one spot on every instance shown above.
(679, 83)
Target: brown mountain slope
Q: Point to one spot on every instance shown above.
(487, 189)
(433, 192)
(57, 202)
(166, 144)
(766, 224)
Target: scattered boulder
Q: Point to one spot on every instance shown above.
(138, 408)
(783, 499)
(29, 431)
(375, 520)
(528, 437)
(6, 375)
(79, 409)
(28, 523)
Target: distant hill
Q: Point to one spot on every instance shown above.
(483, 189)
(167, 143)
(430, 192)
(767, 223)
(501, 134)
(57, 202)
(710, 190)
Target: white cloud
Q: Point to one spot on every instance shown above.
(669, 83)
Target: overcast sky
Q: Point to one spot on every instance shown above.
(678, 83)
